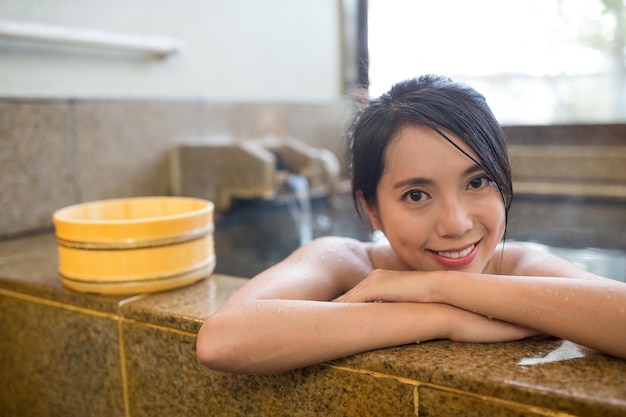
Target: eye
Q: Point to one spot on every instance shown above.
(478, 183)
(415, 196)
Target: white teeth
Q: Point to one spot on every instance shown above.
(456, 255)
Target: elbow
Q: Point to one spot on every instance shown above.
(218, 348)
(232, 343)
(212, 348)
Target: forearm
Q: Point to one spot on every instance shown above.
(589, 312)
(268, 336)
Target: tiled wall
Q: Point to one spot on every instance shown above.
(580, 161)
(54, 153)
(75, 354)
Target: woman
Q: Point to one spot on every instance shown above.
(429, 170)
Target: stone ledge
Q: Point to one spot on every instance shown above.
(586, 164)
(565, 189)
(139, 359)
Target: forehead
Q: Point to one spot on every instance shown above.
(420, 143)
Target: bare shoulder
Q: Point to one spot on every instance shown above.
(338, 256)
(342, 245)
(526, 259)
(320, 270)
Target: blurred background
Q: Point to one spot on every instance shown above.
(95, 96)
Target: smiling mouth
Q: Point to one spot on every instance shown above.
(457, 255)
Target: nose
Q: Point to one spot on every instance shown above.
(454, 219)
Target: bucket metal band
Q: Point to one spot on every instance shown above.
(139, 244)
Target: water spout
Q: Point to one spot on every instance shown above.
(300, 206)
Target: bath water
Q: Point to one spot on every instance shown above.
(255, 235)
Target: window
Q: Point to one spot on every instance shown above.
(536, 61)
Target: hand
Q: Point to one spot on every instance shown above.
(393, 286)
(421, 287)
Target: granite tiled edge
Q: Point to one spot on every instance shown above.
(591, 385)
(58, 361)
(183, 309)
(164, 378)
(583, 386)
(29, 267)
(438, 402)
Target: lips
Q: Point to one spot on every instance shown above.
(457, 255)
(456, 258)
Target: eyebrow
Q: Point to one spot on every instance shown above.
(427, 181)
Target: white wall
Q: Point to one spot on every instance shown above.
(252, 50)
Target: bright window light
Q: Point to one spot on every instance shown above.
(536, 61)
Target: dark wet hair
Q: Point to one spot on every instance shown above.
(435, 102)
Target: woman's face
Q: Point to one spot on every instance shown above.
(437, 208)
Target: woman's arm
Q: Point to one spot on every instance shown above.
(587, 312)
(284, 319)
(269, 336)
(578, 306)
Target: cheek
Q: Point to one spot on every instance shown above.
(490, 214)
(408, 229)
(498, 214)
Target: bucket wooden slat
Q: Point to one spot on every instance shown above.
(142, 244)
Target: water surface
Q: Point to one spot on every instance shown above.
(255, 235)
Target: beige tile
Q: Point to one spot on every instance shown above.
(215, 119)
(164, 378)
(592, 383)
(124, 147)
(251, 121)
(584, 164)
(36, 160)
(29, 266)
(321, 125)
(436, 402)
(185, 308)
(58, 362)
(569, 135)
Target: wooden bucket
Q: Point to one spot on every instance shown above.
(135, 245)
